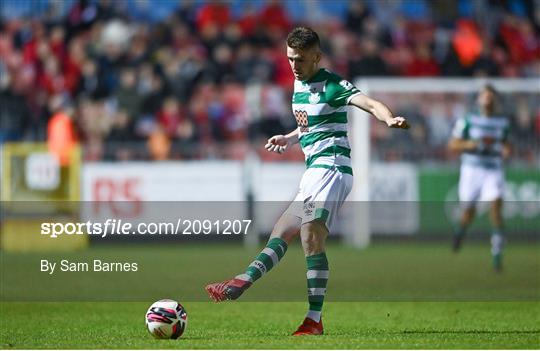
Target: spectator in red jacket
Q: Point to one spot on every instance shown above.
(173, 120)
(520, 40)
(56, 43)
(214, 13)
(274, 17)
(249, 20)
(423, 63)
(73, 63)
(52, 80)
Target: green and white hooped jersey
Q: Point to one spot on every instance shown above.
(320, 108)
(490, 132)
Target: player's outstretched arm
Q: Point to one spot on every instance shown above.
(281, 143)
(379, 110)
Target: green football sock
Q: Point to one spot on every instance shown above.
(317, 278)
(268, 258)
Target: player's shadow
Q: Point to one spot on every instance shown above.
(468, 332)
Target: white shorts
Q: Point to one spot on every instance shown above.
(480, 184)
(322, 192)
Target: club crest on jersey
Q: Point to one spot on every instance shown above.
(302, 120)
(314, 98)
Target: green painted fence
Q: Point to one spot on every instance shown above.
(439, 207)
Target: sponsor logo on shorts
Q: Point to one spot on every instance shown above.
(309, 207)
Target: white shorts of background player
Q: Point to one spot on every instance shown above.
(480, 184)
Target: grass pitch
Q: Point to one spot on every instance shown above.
(389, 296)
(257, 325)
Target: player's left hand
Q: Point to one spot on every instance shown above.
(398, 122)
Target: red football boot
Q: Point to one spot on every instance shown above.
(227, 290)
(310, 327)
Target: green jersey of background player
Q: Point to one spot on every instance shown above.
(319, 106)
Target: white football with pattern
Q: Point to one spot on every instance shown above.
(166, 319)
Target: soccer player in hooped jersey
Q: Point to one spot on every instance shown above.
(482, 139)
(319, 105)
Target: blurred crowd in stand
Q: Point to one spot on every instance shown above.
(210, 78)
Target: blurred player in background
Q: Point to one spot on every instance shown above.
(319, 105)
(482, 140)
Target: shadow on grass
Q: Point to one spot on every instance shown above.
(469, 332)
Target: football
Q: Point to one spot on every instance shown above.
(166, 319)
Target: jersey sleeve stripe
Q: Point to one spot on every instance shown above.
(352, 96)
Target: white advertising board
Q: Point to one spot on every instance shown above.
(138, 190)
